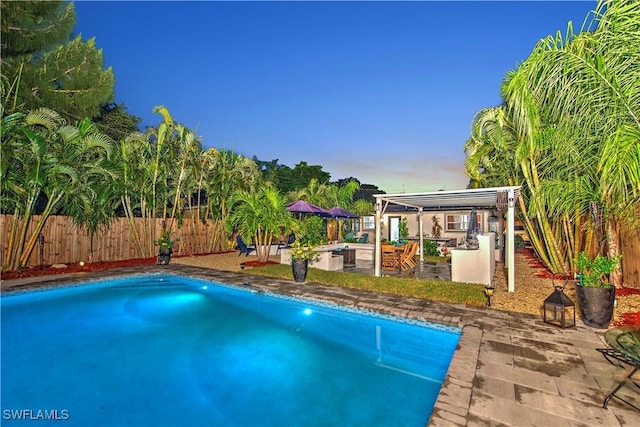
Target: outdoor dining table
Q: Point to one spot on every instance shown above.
(398, 253)
(624, 349)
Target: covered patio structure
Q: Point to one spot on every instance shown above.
(499, 198)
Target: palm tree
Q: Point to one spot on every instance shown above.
(498, 155)
(330, 195)
(189, 148)
(259, 216)
(134, 153)
(315, 193)
(229, 173)
(50, 161)
(571, 119)
(156, 169)
(589, 84)
(202, 165)
(16, 158)
(95, 206)
(93, 202)
(341, 196)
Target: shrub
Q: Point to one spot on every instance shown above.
(518, 243)
(430, 248)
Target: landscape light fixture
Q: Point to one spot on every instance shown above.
(559, 310)
(488, 292)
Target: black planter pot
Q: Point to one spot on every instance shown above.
(596, 305)
(299, 267)
(164, 256)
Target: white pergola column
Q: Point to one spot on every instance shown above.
(510, 252)
(378, 244)
(420, 232)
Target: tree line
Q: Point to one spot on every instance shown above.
(67, 149)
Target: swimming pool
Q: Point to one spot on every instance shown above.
(167, 350)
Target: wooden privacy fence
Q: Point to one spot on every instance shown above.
(66, 243)
(630, 237)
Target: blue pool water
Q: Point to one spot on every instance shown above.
(164, 350)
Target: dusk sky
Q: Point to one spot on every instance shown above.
(381, 91)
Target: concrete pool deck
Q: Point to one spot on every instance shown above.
(509, 369)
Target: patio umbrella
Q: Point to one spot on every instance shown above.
(304, 207)
(472, 228)
(338, 213)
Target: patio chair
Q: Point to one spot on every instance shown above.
(289, 242)
(407, 259)
(244, 249)
(389, 258)
(348, 236)
(364, 238)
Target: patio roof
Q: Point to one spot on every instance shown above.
(453, 199)
(500, 198)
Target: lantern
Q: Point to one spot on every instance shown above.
(488, 292)
(559, 310)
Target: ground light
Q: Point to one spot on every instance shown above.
(488, 292)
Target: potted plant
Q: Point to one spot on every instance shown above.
(596, 295)
(166, 248)
(300, 256)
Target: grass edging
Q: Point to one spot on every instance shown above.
(433, 290)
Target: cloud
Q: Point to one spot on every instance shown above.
(402, 174)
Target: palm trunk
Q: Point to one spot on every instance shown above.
(263, 245)
(176, 198)
(217, 231)
(31, 244)
(91, 236)
(613, 239)
(533, 235)
(22, 236)
(197, 223)
(571, 243)
(126, 203)
(11, 249)
(548, 243)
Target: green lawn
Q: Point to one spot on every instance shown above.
(434, 290)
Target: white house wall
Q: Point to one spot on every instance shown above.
(427, 223)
